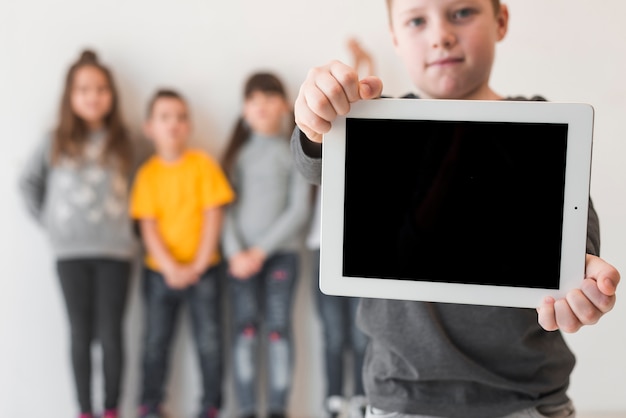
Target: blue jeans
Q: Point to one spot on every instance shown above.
(162, 307)
(338, 315)
(269, 292)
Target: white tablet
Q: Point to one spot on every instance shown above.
(474, 202)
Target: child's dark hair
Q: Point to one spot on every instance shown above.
(163, 94)
(266, 83)
(71, 132)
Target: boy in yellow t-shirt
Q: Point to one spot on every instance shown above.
(178, 198)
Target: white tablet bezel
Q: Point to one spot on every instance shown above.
(578, 117)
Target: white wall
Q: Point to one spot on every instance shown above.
(562, 49)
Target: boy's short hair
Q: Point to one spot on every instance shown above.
(495, 3)
(163, 94)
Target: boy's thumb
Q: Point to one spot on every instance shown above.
(370, 87)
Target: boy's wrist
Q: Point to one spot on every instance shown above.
(167, 266)
(258, 254)
(311, 148)
(199, 266)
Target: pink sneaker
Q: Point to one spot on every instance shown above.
(210, 413)
(86, 415)
(147, 412)
(110, 413)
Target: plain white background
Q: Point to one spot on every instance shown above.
(565, 50)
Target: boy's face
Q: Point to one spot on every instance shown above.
(448, 46)
(169, 127)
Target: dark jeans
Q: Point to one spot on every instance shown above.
(95, 292)
(338, 315)
(268, 295)
(162, 307)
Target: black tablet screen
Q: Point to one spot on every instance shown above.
(458, 202)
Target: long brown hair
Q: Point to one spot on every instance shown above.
(71, 132)
(266, 83)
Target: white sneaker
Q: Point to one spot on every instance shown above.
(335, 406)
(358, 405)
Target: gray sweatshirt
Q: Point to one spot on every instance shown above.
(82, 206)
(273, 199)
(454, 360)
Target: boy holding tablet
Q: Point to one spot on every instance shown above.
(447, 360)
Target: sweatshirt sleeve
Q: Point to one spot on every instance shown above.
(307, 156)
(294, 217)
(593, 231)
(231, 241)
(33, 179)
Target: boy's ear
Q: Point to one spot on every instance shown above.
(503, 21)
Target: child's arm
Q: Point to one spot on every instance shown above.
(584, 306)
(326, 93)
(209, 240)
(176, 276)
(32, 182)
(239, 264)
(288, 224)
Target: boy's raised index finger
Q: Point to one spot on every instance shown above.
(348, 78)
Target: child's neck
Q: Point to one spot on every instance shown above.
(269, 132)
(484, 93)
(95, 126)
(171, 157)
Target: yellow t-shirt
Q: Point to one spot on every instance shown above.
(176, 196)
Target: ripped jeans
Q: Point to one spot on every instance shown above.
(261, 308)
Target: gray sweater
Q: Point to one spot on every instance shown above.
(456, 360)
(82, 206)
(273, 199)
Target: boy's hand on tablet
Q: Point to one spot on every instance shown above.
(326, 93)
(583, 306)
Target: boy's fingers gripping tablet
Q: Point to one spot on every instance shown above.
(606, 275)
(596, 297)
(566, 320)
(582, 306)
(327, 97)
(546, 316)
(348, 79)
(309, 123)
(326, 93)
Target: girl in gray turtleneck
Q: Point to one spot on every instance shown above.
(261, 239)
